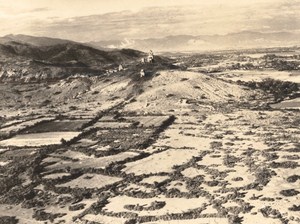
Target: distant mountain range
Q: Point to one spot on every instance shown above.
(180, 43)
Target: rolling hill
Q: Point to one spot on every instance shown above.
(32, 40)
(68, 52)
(22, 55)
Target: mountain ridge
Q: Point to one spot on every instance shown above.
(33, 40)
(64, 52)
(231, 41)
(32, 59)
(26, 56)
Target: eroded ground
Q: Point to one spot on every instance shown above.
(180, 148)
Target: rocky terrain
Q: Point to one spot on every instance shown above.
(177, 146)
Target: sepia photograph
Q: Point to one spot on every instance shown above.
(150, 112)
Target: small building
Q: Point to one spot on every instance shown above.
(142, 73)
(150, 57)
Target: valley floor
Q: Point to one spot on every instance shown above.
(180, 148)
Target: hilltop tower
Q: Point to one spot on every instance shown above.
(150, 57)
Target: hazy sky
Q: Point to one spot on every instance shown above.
(92, 20)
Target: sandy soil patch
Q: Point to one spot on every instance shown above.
(135, 188)
(212, 161)
(91, 180)
(259, 218)
(239, 177)
(113, 87)
(4, 163)
(55, 176)
(173, 205)
(160, 162)
(179, 185)
(192, 172)
(186, 119)
(175, 138)
(24, 215)
(103, 219)
(274, 190)
(194, 221)
(209, 210)
(68, 218)
(153, 179)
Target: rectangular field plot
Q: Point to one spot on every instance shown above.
(13, 128)
(148, 121)
(160, 162)
(63, 125)
(39, 139)
(122, 138)
(90, 181)
(112, 125)
(90, 162)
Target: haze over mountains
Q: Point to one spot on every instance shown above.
(240, 40)
(175, 43)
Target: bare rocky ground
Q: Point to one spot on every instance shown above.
(182, 147)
